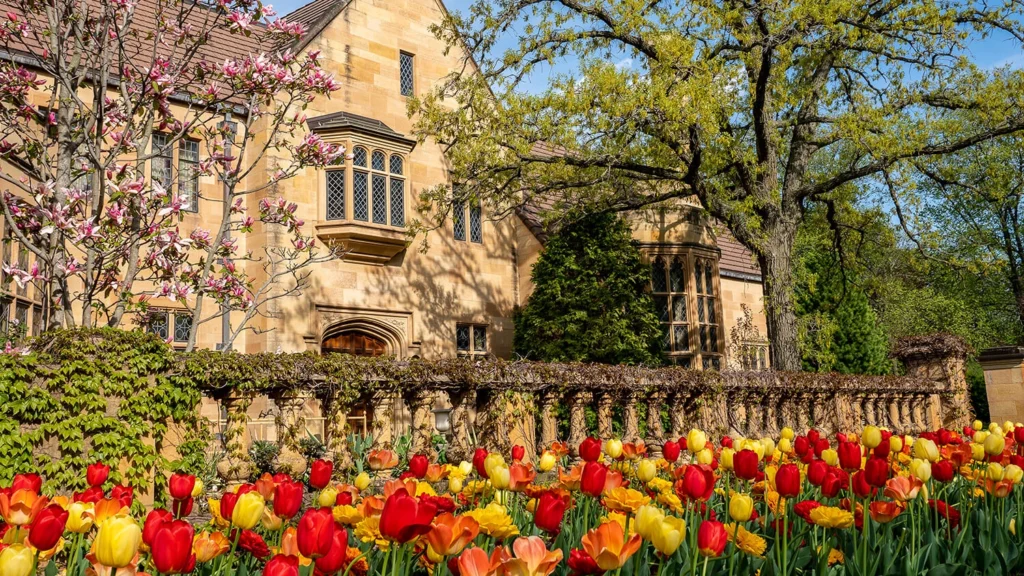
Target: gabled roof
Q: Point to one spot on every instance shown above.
(356, 123)
(315, 16)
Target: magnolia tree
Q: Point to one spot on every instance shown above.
(95, 96)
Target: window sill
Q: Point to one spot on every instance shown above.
(362, 241)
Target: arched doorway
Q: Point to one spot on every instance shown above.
(354, 342)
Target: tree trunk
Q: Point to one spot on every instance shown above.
(776, 260)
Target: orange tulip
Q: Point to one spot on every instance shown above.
(265, 486)
(435, 473)
(520, 476)
(382, 459)
(209, 545)
(903, 488)
(561, 449)
(290, 545)
(532, 558)
(107, 508)
(21, 507)
(885, 512)
(392, 486)
(633, 451)
(571, 480)
(608, 547)
(370, 506)
(612, 480)
(450, 535)
(474, 562)
(1000, 489)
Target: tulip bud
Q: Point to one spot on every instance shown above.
(547, 461)
(995, 444)
(1007, 426)
(979, 436)
(895, 444)
(921, 469)
(741, 507)
(248, 510)
(994, 472)
(500, 476)
(787, 433)
(830, 456)
(992, 427)
(769, 447)
(465, 468)
(80, 517)
(925, 449)
(871, 437)
(328, 496)
(648, 520)
(786, 446)
(977, 452)
(695, 441)
(725, 458)
(491, 461)
(1013, 473)
(197, 490)
(118, 539)
(455, 485)
(705, 457)
(977, 425)
(362, 481)
(17, 560)
(613, 448)
(646, 471)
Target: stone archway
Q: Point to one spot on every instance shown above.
(354, 342)
(363, 337)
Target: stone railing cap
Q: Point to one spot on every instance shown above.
(999, 353)
(940, 345)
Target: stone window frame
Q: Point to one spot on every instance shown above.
(368, 170)
(406, 79)
(170, 155)
(473, 352)
(171, 318)
(468, 222)
(17, 303)
(695, 356)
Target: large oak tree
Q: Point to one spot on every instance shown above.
(756, 108)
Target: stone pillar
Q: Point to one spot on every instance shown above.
(906, 420)
(336, 429)
(1004, 382)
(940, 359)
(421, 405)
(548, 420)
(677, 414)
(291, 426)
(630, 418)
(894, 414)
(578, 401)
(383, 405)
(460, 448)
(803, 413)
(844, 413)
(655, 431)
(235, 467)
(605, 402)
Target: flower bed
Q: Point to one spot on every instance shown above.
(872, 503)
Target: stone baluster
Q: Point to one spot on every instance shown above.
(906, 420)
(421, 405)
(894, 413)
(655, 431)
(739, 417)
(336, 429)
(577, 420)
(935, 413)
(677, 414)
(630, 418)
(461, 400)
(548, 419)
(755, 418)
(235, 467)
(803, 413)
(383, 404)
(917, 421)
(857, 415)
(605, 404)
(845, 412)
(871, 415)
(291, 425)
(771, 417)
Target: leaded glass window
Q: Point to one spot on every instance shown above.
(188, 174)
(707, 310)
(459, 220)
(396, 165)
(378, 160)
(397, 202)
(380, 199)
(668, 289)
(405, 73)
(360, 193)
(182, 327)
(471, 340)
(359, 157)
(163, 161)
(476, 233)
(335, 194)
(158, 323)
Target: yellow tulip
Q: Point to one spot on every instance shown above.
(925, 449)
(248, 510)
(977, 425)
(455, 485)
(466, 468)
(786, 446)
(994, 472)
(17, 560)
(741, 507)
(613, 448)
(787, 433)
(895, 444)
(994, 444)
(669, 535)
(271, 521)
(830, 456)
(705, 457)
(725, 458)
(921, 469)
(769, 446)
(977, 452)
(362, 481)
(500, 477)
(1013, 473)
(979, 436)
(1007, 426)
(871, 437)
(696, 440)
(197, 490)
(547, 461)
(117, 541)
(993, 428)
(646, 470)
(492, 461)
(648, 520)
(328, 496)
(80, 517)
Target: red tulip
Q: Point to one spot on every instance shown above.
(403, 518)
(96, 474)
(288, 498)
(124, 494)
(726, 442)
(711, 538)
(46, 529)
(787, 480)
(859, 483)
(518, 453)
(876, 471)
(1018, 435)
(478, 462)
(882, 450)
(181, 485)
(593, 478)
(418, 465)
(282, 565)
(744, 463)
(816, 472)
(227, 504)
(682, 443)
(813, 435)
(93, 494)
(590, 449)
(849, 455)
(30, 482)
(804, 507)
(549, 512)
(172, 548)
(156, 518)
(820, 445)
(671, 451)
(252, 543)
(801, 445)
(182, 508)
(316, 532)
(343, 499)
(582, 564)
(337, 557)
(320, 473)
(697, 483)
(943, 471)
(951, 514)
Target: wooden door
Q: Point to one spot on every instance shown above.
(355, 343)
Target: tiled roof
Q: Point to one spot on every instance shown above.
(315, 16)
(342, 120)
